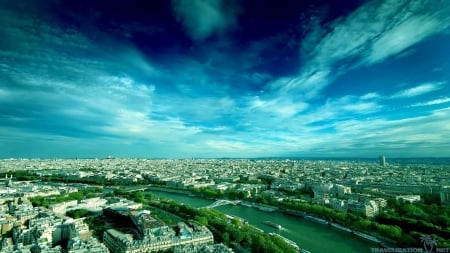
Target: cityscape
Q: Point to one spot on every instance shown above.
(52, 205)
(185, 126)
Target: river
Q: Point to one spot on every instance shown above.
(308, 235)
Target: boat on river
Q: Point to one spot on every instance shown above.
(367, 237)
(342, 228)
(266, 208)
(246, 204)
(269, 223)
(315, 219)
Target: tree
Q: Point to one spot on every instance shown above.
(77, 213)
(202, 220)
(138, 196)
(76, 195)
(225, 238)
(392, 232)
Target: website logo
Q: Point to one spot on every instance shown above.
(428, 243)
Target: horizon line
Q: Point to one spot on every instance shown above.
(225, 158)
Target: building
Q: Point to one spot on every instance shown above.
(341, 191)
(408, 198)
(322, 193)
(369, 208)
(339, 204)
(156, 236)
(91, 245)
(382, 161)
(215, 248)
(47, 233)
(61, 208)
(445, 196)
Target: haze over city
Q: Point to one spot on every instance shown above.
(224, 78)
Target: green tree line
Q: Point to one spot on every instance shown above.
(232, 233)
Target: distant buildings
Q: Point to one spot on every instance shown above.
(360, 186)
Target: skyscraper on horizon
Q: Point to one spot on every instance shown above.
(382, 159)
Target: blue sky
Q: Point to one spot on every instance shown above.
(215, 78)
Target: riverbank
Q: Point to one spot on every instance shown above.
(309, 235)
(171, 190)
(291, 212)
(317, 220)
(372, 238)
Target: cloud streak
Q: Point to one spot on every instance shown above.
(419, 90)
(433, 102)
(369, 35)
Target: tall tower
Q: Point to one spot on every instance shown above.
(382, 160)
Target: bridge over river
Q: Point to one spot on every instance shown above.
(222, 202)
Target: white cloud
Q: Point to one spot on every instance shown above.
(5, 94)
(280, 108)
(415, 136)
(341, 108)
(309, 128)
(418, 90)
(378, 30)
(406, 33)
(433, 102)
(227, 146)
(371, 95)
(431, 127)
(369, 35)
(361, 107)
(305, 86)
(73, 87)
(202, 18)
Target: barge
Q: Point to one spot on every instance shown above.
(269, 223)
(318, 220)
(367, 237)
(342, 228)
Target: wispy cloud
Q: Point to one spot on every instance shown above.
(378, 30)
(203, 18)
(433, 102)
(370, 95)
(418, 90)
(55, 91)
(371, 34)
(396, 134)
(283, 108)
(371, 137)
(53, 95)
(405, 34)
(337, 109)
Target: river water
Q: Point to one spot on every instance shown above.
(309, 235)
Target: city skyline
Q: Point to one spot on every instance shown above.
(219, 78)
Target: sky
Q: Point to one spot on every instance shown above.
(216, 78)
